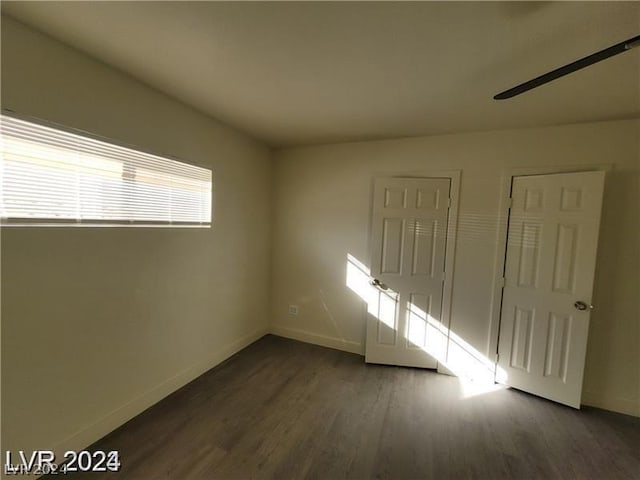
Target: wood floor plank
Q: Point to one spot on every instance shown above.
(282, 409)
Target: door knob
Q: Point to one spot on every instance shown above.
(582, 306)
(377, 283)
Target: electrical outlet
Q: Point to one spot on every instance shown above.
(293, 310)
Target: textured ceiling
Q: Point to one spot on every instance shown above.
(294, 73)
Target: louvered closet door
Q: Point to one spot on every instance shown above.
(408, 251)
(550, 265)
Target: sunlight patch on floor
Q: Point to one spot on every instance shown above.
(476, 372)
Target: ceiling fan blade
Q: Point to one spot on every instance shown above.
(570, 68)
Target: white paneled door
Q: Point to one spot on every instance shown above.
(549, 271)
(407, 271)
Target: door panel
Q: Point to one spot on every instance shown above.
(529, 247)
(550, 265)
(392, 245)
(408, 251)
(557, 347)
(520, 357)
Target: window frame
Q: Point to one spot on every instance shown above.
(28, 222)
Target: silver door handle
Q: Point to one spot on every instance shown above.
(582, 306)
(377, 283)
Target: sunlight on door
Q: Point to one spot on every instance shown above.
(474, 370)
(380, 303)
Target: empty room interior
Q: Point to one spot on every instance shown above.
(286, 240)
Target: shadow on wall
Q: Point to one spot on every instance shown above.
(476, 372)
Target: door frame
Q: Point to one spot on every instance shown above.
(455, 177)
(502, 233)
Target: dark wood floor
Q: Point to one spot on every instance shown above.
(285, 410)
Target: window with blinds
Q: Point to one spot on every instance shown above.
(53, 177)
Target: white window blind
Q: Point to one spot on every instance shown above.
(50, 176)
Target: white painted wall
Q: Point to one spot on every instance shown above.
(322, 205)
(99, 323)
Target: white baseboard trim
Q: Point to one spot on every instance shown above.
(614, 404)
(90, 434)
(317, 339)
